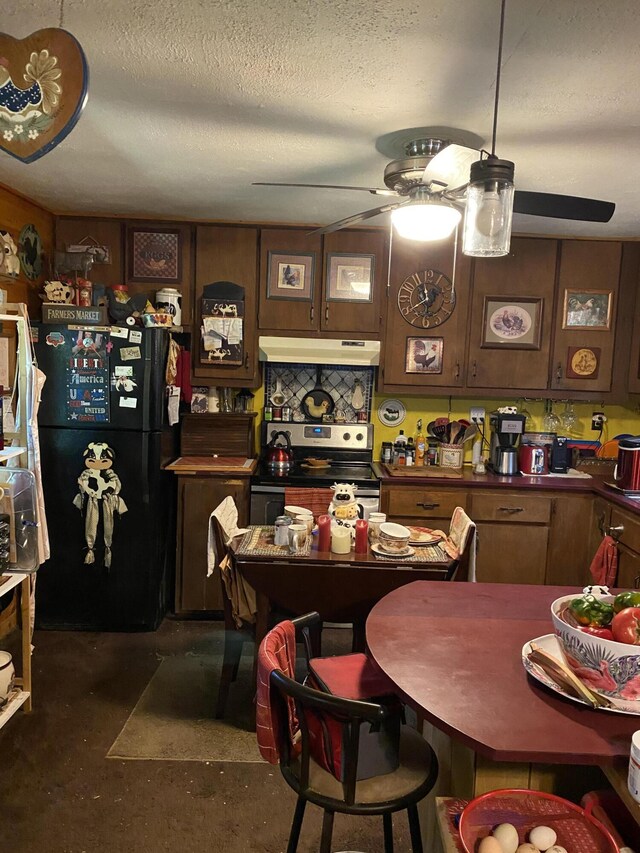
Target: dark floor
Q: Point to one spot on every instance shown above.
(60, 794)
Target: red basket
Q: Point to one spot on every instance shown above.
(577, 831)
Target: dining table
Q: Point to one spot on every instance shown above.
(342, 588)
(454, 653)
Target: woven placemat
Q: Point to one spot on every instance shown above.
(259, 541)
(423, 471)
(423, 554)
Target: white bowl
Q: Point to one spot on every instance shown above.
(293, 511)
(391, 530)
(605, 666)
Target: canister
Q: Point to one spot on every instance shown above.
(633, 781)
(7, 677)
(170, 300)
(281, 534)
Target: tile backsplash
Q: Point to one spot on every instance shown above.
(296, 380)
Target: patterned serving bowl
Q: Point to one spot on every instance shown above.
(393, 538)
(605, 666)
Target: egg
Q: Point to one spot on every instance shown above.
(542, 837)
(507, 836)
(489, 845)
(527, 848)
(557, 849)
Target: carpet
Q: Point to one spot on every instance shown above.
(173, 719)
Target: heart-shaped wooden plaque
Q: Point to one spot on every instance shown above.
(44, 80)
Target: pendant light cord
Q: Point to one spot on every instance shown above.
(495, 107)
(61, 24)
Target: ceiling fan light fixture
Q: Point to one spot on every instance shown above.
(425, 220)
(489, 209)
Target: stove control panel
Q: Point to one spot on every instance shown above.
(329, 436)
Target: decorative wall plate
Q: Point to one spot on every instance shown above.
(391, 412)
(43, 89)
(30, 252)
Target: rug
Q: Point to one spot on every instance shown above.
(173, 719)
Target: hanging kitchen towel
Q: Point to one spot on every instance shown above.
(460, 538)
(317, 500)
(277, 652)
(604, 566)
(227, 514)
(240, 593)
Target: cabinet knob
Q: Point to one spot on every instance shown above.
(474, 368)
(427, 505)
(636, 582)
(326, 313)
(312, 312)
(456, 374)
(559, 371)
(246, 361)
(615, 532)
(511, 509)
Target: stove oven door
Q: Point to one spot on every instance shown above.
(267, 503)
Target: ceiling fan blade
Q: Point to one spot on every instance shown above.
(358, 217)
(451, 166)
(372, 190)
(562, 206)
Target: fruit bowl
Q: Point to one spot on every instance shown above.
(605, 666)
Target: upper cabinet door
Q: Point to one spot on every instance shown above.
(290, 280)
(586, 309)
(427, 313)
(228, 254)
(511, 317)
(354, 275)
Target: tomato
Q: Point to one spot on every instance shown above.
(603, 633)
(626, 626)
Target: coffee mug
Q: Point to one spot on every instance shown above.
(305, 518)
(297, 538)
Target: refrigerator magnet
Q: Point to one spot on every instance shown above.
(123, 370)
(135, 336)
(128, 402)
(130, 353)
(119, 332)
(125, 384)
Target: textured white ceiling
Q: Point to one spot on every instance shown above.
(191, 100)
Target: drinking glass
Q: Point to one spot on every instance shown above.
(568, 418)
(550, 421)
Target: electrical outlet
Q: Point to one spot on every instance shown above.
(476, 415)
(598, 420)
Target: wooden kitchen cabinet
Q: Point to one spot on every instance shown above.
(421, 505)
(406, 318)
(286, 314)
(228, 254)
(585, 265)
(198, 496)
(527, 272)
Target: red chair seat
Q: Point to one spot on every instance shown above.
(353, 676)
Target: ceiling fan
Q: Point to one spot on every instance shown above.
(438, 180)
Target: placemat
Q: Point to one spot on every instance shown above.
(424, 554)
(259, 541)
(423, 471)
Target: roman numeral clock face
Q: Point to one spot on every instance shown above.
(426, 299)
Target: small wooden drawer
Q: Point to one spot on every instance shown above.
(424, 502)
(513, 507)
(629, 535)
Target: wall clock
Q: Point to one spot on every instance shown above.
(426, 299)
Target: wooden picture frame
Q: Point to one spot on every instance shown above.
(349, 277)
(424, 355)
(154, 255)
(512, 322)
(585, 309)
(290, 276)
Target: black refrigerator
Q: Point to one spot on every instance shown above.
(103, 436)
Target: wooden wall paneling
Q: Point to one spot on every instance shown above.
(284, 315)
(228, 254)
(588, 265)
(108, 232)
(408, 257)
(360, 319)
(626, 367)
(16, 211)
(528, 270)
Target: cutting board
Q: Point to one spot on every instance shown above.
(213, 464)
(423, 471)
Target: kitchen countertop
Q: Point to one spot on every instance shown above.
(576, 485)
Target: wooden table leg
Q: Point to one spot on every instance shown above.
(263, 608)
(25, 609)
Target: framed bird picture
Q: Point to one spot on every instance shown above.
(587, 309)
(512, 322)
(424, 355)
(153, 255)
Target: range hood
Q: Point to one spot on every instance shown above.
(319, 351)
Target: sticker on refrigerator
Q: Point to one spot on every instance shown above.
(125, 384)
(87, 378)
(119, 332)
(123, 370)
(130, 353)
(98, 498)
(128, 402)
(135, 336)
(54, 339)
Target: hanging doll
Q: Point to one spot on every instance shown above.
(99, 485)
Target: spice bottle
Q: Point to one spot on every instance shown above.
(420, 444)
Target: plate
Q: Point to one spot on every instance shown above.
(550, 644)
(422, 536)
(407, 552)
(392, 412)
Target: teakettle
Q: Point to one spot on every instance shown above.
(278, 456)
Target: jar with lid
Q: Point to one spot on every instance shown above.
(281, 532)
(243, 401)
(169, 299)
(386, 452)
(432, 453)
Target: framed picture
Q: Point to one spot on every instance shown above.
(583, 362)
(424, 355)
(154, 255)
(290, 276)
(350, 277)
(511, 322)
(587, 309)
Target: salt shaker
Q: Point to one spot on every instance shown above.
(633, 781)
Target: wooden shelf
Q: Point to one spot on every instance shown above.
(10, 580)
(11, 453)
(17, 700)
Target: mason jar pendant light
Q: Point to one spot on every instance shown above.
(489, 202)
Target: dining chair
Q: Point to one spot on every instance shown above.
(304, 711)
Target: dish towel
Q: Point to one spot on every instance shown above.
(455, 544)
(317, 500)
(277, 652)
(240, 593)
(604, 566)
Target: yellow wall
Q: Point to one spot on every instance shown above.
(16, 212)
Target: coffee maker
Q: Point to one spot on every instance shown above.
(506, 430)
